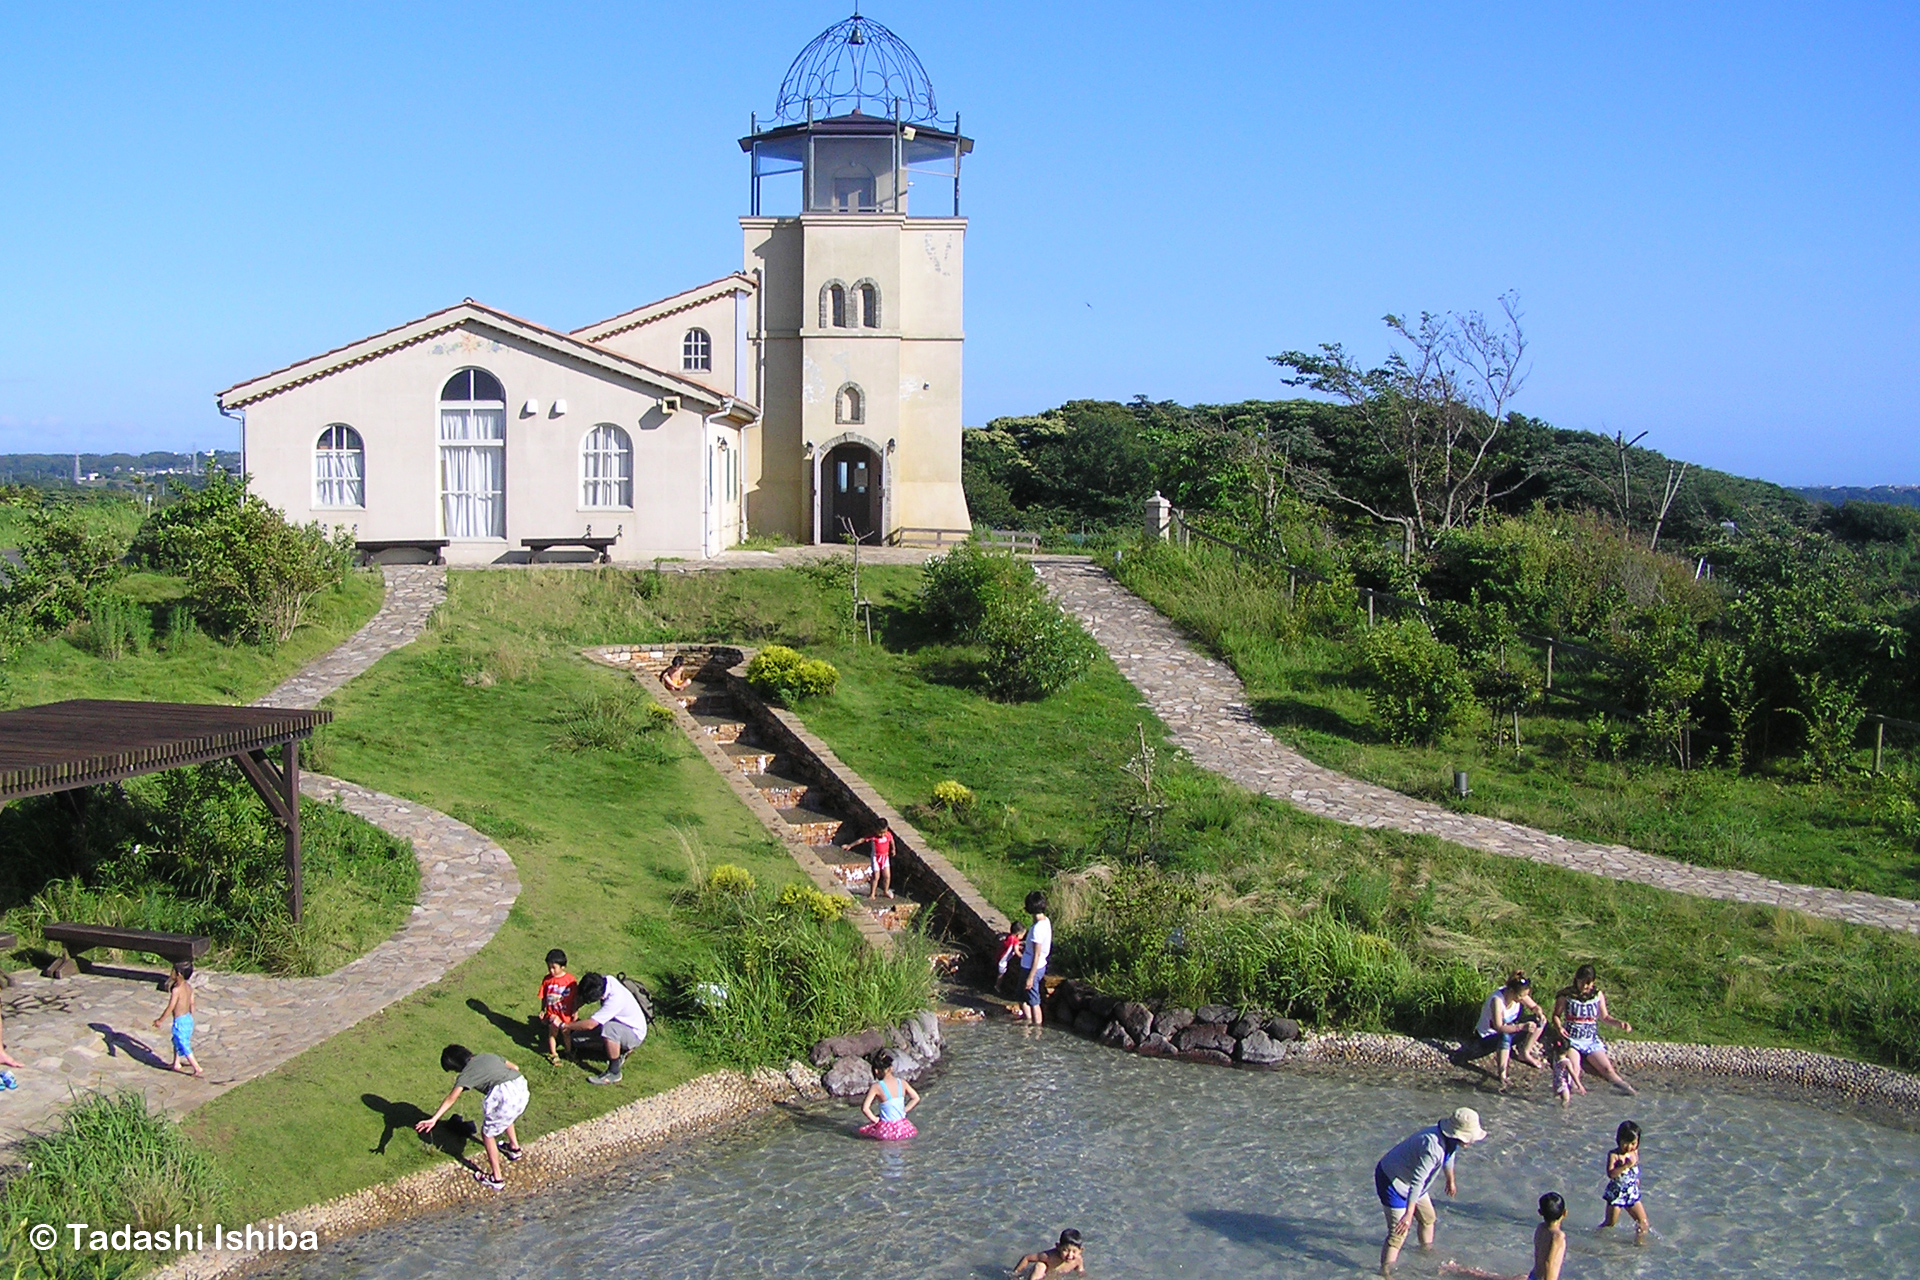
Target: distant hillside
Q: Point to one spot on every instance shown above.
(1899, 495)
(57, 469)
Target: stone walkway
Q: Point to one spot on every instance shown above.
(1205, 707)
(94, 1031)
(414, 591)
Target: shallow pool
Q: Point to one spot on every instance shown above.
(1177, 1170)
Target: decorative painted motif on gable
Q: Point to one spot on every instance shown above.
(463, 344)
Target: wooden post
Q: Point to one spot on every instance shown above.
(1879, 742)
(1290, 583)
(1369, 608)
(1549, 664)
(290, 771)
(1516, 728)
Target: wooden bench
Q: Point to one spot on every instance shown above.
(436, 547)
(602, 548)
(80, 938)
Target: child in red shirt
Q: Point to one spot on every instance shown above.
(559, 1001)
(880, 848)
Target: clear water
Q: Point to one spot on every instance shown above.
(1176, 1170)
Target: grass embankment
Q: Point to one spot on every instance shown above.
(470, 719)
(103, 513)
(193, 668)
(1311, 691)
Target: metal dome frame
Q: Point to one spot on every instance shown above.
(853, 63)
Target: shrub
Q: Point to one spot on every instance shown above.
(727, 878)
(1831, 713)
(63, 562)
(117, 626)
(1419, 690)
(1033, 649)
(804, 898)
(958, 589)
(786, 675)
(952, 796)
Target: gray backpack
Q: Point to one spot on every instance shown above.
(641, 995)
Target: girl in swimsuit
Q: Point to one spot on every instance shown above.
(1623, 1182)
(896, 1098)
(1578, 1012)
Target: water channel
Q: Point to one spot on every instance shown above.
(1176, 1170)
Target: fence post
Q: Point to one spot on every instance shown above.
(1549, 663)
(1879, 742)
(1290, 581)
(1369, 608)
(1159, 517)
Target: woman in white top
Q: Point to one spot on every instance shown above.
(1510, 1014)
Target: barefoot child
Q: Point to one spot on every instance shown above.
(1623, 1182)
(505, 1091)
(880, 849)
(1065, 1256)
(1035, 949)
(180, 1009)
(1566, 1074)
(558, 1002)
(896, 1098)
(1549, 1246)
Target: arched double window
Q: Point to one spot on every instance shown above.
(473, 456)
(867, 295)
(833, 305)
(606, 468)
(696, 351)
(339, 468)
(850, 404)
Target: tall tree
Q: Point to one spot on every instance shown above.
(1434, 411)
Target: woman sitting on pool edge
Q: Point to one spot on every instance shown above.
(676, 677)
(1511, 1013)
(1578, 1012)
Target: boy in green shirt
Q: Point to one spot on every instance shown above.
(506, 1098)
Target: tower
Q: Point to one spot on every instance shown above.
(858, 331)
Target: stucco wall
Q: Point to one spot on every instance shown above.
(658, 343)
(392, 401)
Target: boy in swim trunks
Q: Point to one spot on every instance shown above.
(1065, 1256)
(180, 1009)
(1549, 1246)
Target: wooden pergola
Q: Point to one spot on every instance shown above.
(60, 746)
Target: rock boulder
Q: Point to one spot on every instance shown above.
(1158, 1046)
(1212, 1057)
(1136, 1018)
(848, 1077)
(857, 1045)
(1220, 1013)
(1116, 1036)
(1282, 1029)
(1258, 1049)
(1168, 1021)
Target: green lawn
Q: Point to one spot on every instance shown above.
(201, 669)
(463, 720)
(1305, 687)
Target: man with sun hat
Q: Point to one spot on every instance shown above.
(1405, 1176)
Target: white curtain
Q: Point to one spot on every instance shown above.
(337, 472)
(473, 472)
(606, 468)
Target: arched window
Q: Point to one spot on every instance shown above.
(339, 468)
(850, 405)
(696, 351)
(868, 294)
(473, 456)
(606, 468)
(833, 306)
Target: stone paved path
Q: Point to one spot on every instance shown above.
(414, 591)
(1205, 707)
(93, 1031)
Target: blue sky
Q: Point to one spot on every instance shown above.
(1709, 213)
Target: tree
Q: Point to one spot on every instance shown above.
(1434, 411)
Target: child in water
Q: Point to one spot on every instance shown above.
(896, 1098)
(1065, 1256)
(1549, 1246)
(1566, 1074)
(1623, 1182)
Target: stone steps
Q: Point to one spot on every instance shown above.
(722, 729)
(782, 792)
(749, 759)
(814, 827)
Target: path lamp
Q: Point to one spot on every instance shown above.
(1460, 787)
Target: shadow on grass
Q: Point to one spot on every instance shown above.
(1296, 713)
(519, 1030)
(450, 1136)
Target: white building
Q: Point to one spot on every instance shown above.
(815, 394)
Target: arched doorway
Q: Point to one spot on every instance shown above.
(851, 482)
